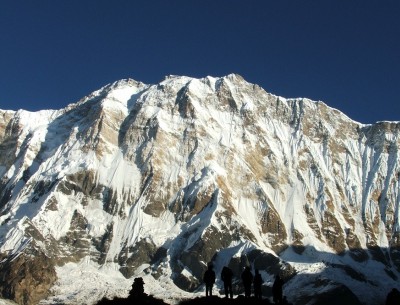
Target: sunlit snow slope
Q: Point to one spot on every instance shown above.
(158, 180)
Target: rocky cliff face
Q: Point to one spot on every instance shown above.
(159, 180)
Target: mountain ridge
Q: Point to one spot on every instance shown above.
(161, 179)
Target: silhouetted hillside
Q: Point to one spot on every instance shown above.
(144, 300)
(147, 300)
(240, 300)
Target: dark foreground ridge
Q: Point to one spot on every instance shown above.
(137, 296)
(392, 299)
(147, 300)
(240, 300)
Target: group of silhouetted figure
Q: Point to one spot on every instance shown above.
(139, 297)
(248, 280)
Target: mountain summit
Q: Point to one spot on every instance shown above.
(159, 180)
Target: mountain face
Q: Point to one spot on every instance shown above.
(159, 180)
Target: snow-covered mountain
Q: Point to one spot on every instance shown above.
(158, 180)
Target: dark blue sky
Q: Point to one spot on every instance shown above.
(345, 53)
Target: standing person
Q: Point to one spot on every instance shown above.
(258, 281)
(226, 277)
(247, 278)
(209, 279)
(277, 290)
(393, 297)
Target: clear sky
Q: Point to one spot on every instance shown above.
(343, 52)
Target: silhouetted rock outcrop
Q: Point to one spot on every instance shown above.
(144, 300)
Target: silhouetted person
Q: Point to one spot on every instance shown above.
(258, 281)
(137, 290)
(247, 278)
(277, 290)
(226, 277)
(209, 280)
(393, 298)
